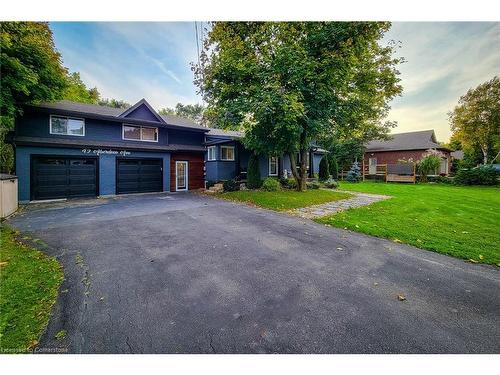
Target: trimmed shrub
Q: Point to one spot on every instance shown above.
(271, 184)
(334, 168)
(288, 183)
(324, 169)
(354, 174)
(330, 184)
(313, 185)
(231, 185)
(484, 175)
(210, 184)
(253, 173)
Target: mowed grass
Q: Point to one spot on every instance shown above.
(285, 199)
(29, 283)
(459, 221)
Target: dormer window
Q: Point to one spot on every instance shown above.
(67, 126)
(140, 133)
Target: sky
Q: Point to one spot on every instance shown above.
(131, 61)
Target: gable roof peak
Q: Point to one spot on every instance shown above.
(137, 105)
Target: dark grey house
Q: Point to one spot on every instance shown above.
(66, 150)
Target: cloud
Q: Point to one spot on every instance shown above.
(444, 60)
(130, 61)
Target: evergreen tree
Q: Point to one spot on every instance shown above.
(324, 169)
(334, 168)
(354, 174)
(253, 173)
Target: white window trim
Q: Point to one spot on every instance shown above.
(141, 127)
(68, 117)
(208, 153)
(269, 166)
(221, 153)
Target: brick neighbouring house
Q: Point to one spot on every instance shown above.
(411, 145)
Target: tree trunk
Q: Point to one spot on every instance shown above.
(485, 155)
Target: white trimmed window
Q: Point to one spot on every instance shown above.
(140, 133)
(67, 126)
(273, 166)
(227, 153)
(211, 153)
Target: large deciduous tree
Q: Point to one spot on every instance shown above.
(31, 71)
(287, 83)
(475, 121)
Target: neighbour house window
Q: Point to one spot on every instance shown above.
(67, 126)
(273, 166)
(227, 153)
(211, 153)
(140, 133)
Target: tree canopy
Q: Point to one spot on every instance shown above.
(475, 121)
(191, 111)
(76, 90)
(114, 103)
(31, 72)
(288, 83)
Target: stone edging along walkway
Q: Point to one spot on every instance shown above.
(325, 209)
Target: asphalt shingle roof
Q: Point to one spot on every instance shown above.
(420, 140)
(93, 109)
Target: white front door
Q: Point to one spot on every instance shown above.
(181, 175)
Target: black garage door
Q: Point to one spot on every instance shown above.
(63, 177)
(139, 176)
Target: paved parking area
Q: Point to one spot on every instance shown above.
(181, 273)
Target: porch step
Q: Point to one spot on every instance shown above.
(217, 188)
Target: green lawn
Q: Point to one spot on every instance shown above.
(29, 285)
(458, 221)
(285, 199)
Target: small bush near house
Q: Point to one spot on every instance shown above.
(313, 185)
(324, 169)
(330, 184)
(271, 184)
(253, 173)
(354, 174)
(210, 184)
(231, 185)
(288, 183)
(485, 175)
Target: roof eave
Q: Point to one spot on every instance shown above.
(116, 119)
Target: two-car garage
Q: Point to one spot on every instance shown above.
(54, 177)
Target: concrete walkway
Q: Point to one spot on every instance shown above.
(359, 200)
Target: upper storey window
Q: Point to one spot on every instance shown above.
(67, 126)
(140, 133)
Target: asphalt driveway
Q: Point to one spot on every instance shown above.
(181, 273)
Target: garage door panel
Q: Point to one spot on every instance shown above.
(139, 176)
(61, 177)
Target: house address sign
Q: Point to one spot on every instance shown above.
(105, 152)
